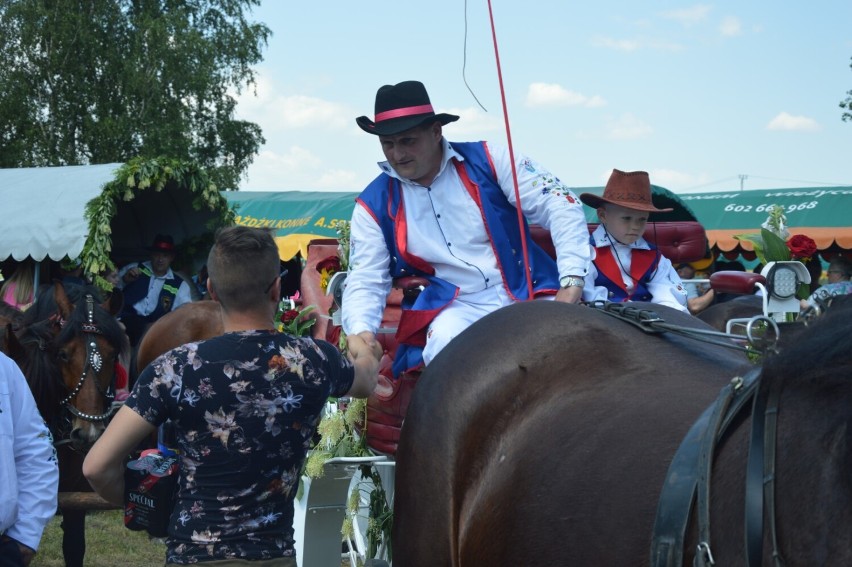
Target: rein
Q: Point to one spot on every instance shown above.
(688, 479)
(650, 322)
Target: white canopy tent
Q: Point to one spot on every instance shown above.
(44, 209)
(108, 213)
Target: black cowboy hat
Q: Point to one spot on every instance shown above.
(402, 107)
(163, 243)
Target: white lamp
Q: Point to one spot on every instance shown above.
(782, 281)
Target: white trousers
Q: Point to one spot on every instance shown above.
(466, 310)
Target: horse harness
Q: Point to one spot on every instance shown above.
(688, 479)
(94, 361)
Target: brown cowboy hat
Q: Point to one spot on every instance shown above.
(402, 107)
(628, 189)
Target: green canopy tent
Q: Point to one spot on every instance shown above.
(822, 214)
(301, 216)
(297, 217)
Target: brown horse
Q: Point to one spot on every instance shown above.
(69, 362)
(188, 323)
(742, 307)
(543, 434)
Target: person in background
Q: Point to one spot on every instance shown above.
(244, 408)
(625, 266)
(839, 272)
(446, 211)
(29, 473)
(70, 275)
(17, 290)
(151, 288)
(200, 282)
(727, 266)
(698, 296)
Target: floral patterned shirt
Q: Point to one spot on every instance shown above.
(826, 291)
(245, 407)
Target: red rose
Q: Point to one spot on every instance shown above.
(330, 265)
(801, 246)
(289, 316)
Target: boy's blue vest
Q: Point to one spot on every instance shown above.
(383, 200)
(643, 266)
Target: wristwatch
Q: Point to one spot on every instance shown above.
(571, 281)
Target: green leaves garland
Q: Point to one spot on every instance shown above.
(137, 175)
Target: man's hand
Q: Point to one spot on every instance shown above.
(571, 294)
(131, 275)
(365, 353)
(372, 343)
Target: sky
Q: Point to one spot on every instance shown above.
(704, 96)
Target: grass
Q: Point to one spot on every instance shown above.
(108, 543)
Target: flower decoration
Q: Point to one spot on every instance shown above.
(294, 321)
(344, 237)
(774, 243)
(801, 247)
(327, 268)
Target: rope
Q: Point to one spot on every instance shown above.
(512, 158)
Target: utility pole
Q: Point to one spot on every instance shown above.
(742, 179)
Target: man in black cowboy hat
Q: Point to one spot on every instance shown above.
(151, 288)
(626, 267)
(445, 211)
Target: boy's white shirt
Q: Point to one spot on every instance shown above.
(665, 287)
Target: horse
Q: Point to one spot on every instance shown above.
(741, 307)
(188, 323)
(69, 363)
(543, 435)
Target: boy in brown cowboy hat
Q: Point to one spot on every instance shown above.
(446, 211)
(625, 266)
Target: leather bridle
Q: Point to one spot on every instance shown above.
(94, 362)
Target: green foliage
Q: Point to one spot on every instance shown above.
(774, 247)
(102, 81)
(847, 105)
(152, 175)
(768, 245)
(344, 237)
(293, 321)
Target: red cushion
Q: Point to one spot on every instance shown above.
(679, 241)
(731, 281)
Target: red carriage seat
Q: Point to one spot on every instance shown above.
(679, 241)
(311, 290)
(386, 408)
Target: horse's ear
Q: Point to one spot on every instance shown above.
(114, 302)
(11, 345)
(62, 302)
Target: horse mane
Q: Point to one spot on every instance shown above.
(10, 314)
(40, 367)
(823, 344)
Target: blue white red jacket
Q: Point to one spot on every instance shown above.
(383, 200)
